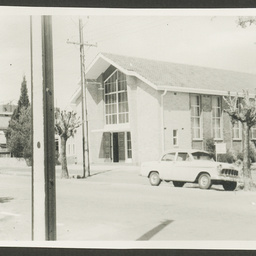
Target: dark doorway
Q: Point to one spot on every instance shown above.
(115, 148)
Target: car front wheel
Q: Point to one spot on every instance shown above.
(204, 181)
(229, 185)
(178, 184)
(154, 179)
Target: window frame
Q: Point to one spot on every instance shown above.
(181, 159)
(175, 138)
(128, 145)
(170, 153)
(215, 118)
(109, 118)
(200, 127)
(239, 129)
(253, 128)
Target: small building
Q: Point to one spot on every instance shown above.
(6, 111)
(138, 108)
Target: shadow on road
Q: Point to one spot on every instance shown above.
(212, 188)
(5, 199)
(154, 231)
(96, 173)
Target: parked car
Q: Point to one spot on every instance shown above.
(191, 166)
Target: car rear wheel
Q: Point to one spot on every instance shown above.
(178, 184)
(154, 179)
(204, 181)
(229, 185)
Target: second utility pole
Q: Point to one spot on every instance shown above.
(83, 100)
(83, 103)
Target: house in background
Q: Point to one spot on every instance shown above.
(6, 111)
(138, 108)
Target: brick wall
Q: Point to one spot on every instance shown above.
(227, 126)
(206, 107)
(133, 117)
(176, 116)
(148, 123)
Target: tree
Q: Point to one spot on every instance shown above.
(66, 123)
(19, 125)
(19, 141)
(23, 100)
(244, 112)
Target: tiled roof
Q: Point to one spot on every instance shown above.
(168, 74)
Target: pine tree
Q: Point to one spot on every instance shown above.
(23, 100)
(19, 143)
(15, 132)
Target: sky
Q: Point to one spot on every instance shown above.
(204, 39)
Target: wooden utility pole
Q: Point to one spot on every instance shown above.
(85, 142)
(49, 129)
(43, 189)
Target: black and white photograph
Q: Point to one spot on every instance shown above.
(128, 128)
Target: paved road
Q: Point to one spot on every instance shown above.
(118, 205)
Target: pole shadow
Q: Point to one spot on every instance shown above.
(5, 199)
(100, 172)
(147, 236)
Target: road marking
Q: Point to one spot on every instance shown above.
(154, 231)
(10, 214)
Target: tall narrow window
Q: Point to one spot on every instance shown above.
(253, 132)
(216, 117)
(129, 145)
(196, 116)
(237, 126)
(236, 131)
(175, 137)
(116, 100)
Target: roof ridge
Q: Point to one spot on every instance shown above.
(174, 63)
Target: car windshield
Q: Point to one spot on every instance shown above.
(201, 156)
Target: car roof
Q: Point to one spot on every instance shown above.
(185, 150)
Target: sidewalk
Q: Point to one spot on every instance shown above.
(74, 169)
(77, 169)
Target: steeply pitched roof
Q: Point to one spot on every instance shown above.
(168, 75)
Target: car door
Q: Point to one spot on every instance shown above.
(183, 167)
(166, 167)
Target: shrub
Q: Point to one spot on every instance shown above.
(210, 145)
(229, 157)
(252, 154)
(240, 156)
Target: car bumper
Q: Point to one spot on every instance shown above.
(227, 178)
